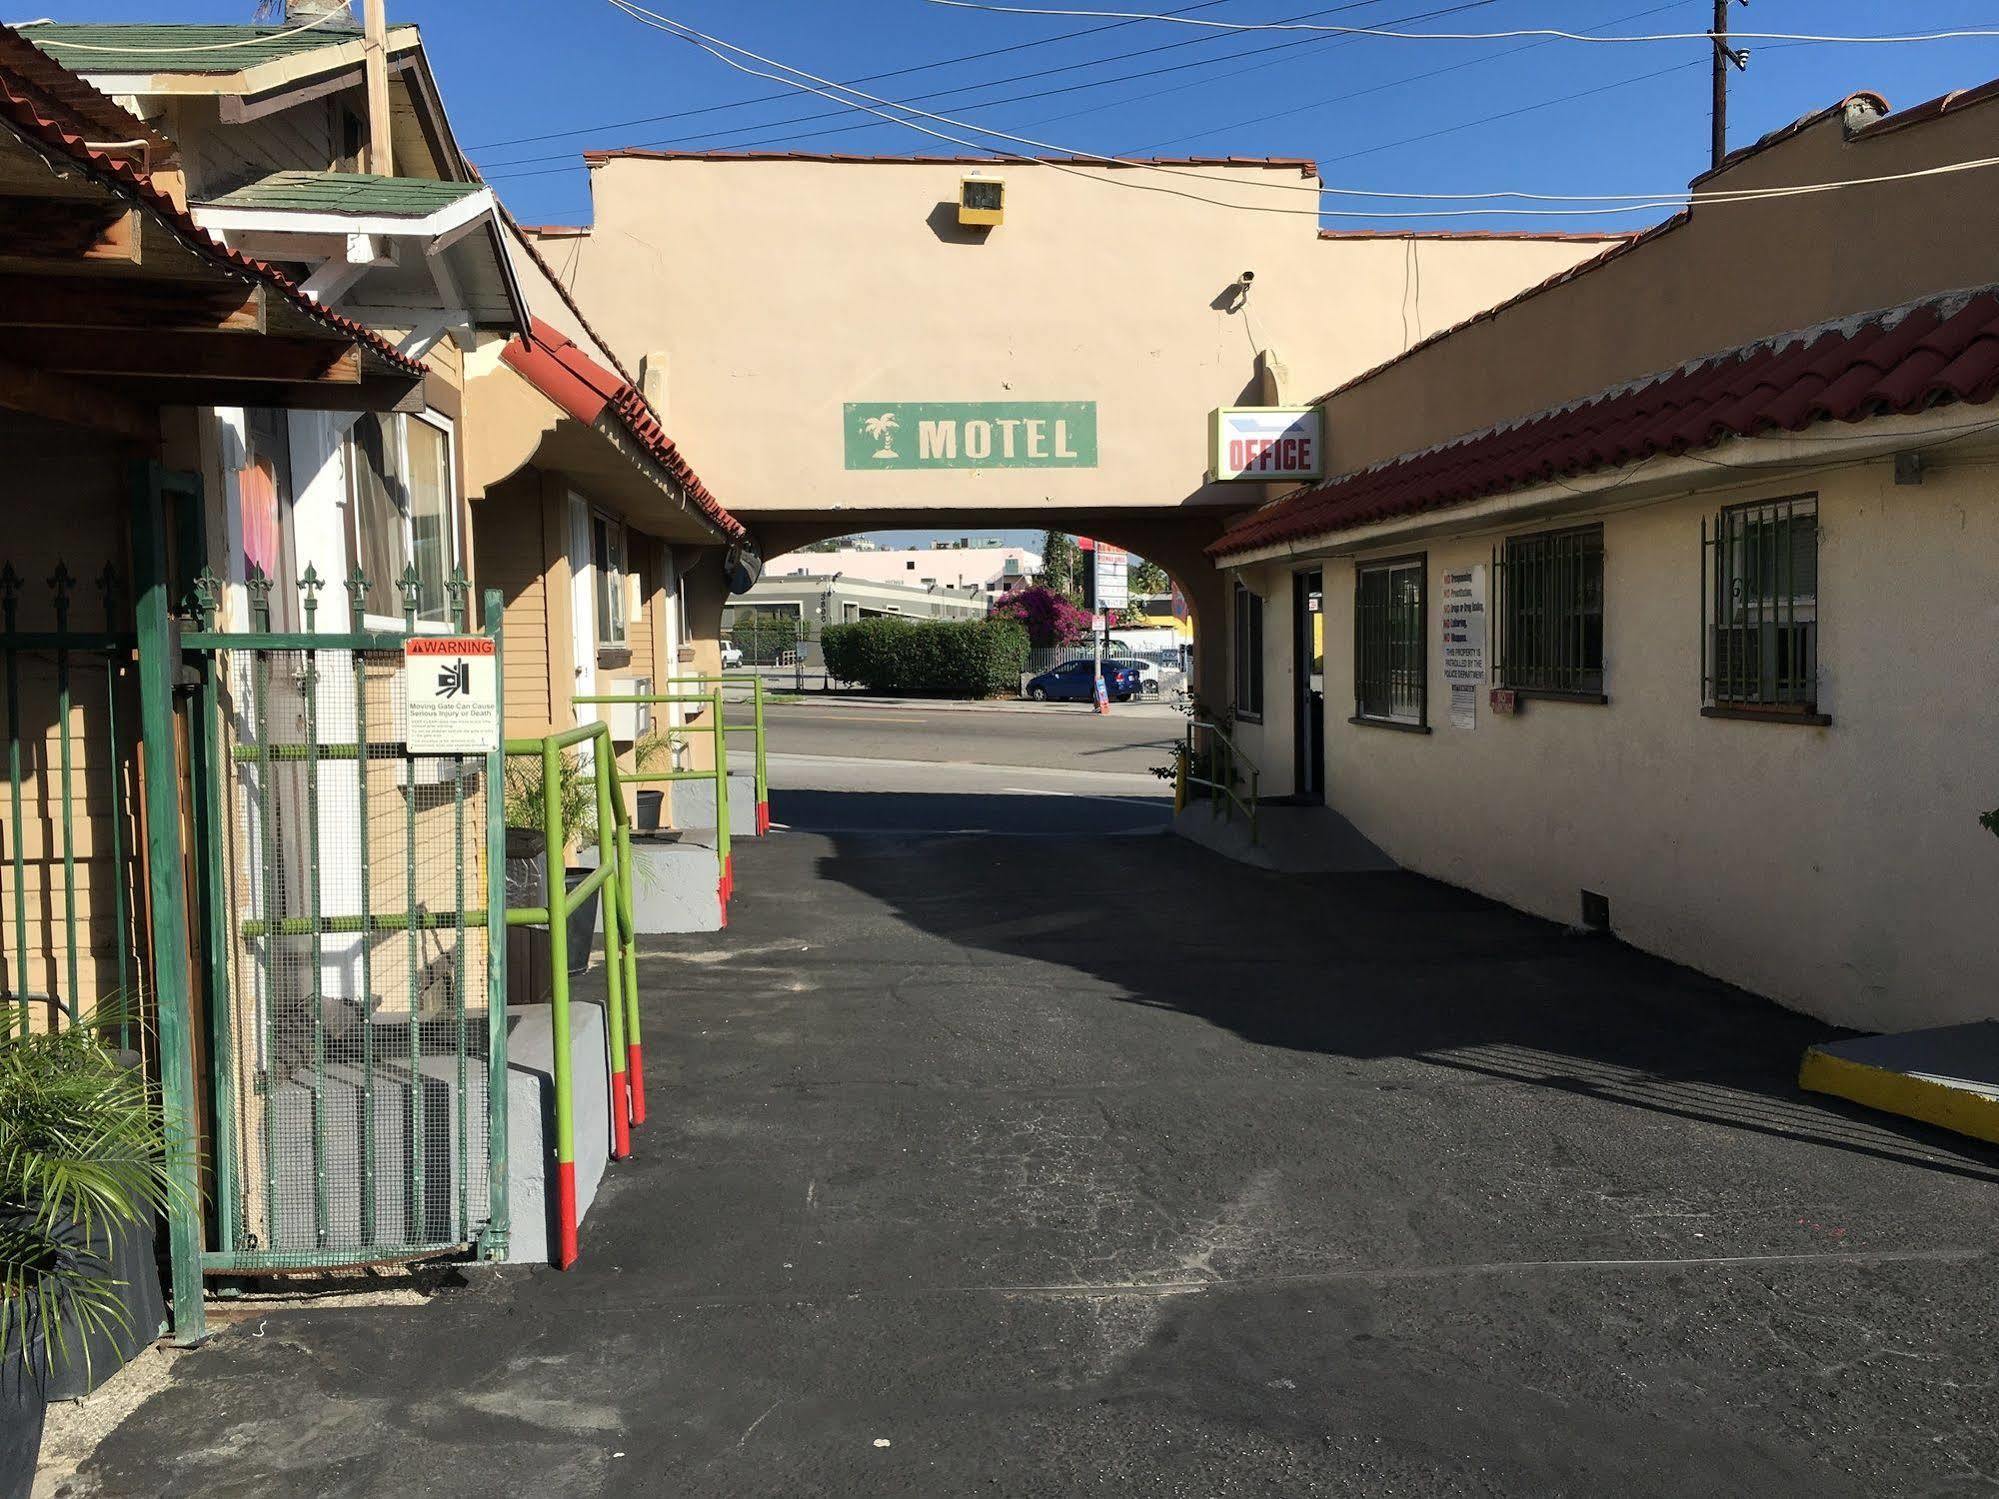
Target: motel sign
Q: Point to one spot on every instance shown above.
(970, 434)
(1265, 444)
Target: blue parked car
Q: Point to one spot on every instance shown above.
(1076, 682)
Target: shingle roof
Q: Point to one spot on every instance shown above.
(175, 48)
(1894, 362)
(583, 388)
(346, 192)
(22, 107)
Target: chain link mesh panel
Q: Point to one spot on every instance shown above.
(357, 1020)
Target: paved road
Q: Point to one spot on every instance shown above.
(1130, 738)
(1097, 1166)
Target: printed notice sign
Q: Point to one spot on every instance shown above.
(1462, 621)
(451, 685)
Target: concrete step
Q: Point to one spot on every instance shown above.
(694, 804)
(531, 1120)
(1947, 1075)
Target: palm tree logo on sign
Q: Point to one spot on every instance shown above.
(882, 430)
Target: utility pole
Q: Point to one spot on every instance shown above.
(375, 66)
(1725, 57)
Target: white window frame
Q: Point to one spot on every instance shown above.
(619, 579)
(453, 510)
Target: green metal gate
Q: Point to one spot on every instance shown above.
(356, 1007)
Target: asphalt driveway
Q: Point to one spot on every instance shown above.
(1096, 1165)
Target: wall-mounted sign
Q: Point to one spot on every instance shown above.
(451, 687)
(1505, 702)
(970, 434)
(1461, 622)
(1266, 444)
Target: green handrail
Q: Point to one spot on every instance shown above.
(1226, 762)
(756, 727)
(725, 885)
(612, 875)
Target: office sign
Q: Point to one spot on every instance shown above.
(970, 434)
(1266, 444)
(452, 690)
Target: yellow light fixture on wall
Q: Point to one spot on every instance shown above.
(981, 202)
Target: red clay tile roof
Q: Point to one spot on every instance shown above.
(584, 389)
(40, 120)
(1894, 362)
(1305, 166)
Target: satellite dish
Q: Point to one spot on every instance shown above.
(743, 566)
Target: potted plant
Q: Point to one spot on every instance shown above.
(652, 751)
(527, 854)
(84, 1172)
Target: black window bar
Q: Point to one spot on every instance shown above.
(1391, 666)
(1759, 609)
(1548, 591)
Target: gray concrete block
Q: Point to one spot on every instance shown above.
(675, 886)
(531, 1120)
(694, 804)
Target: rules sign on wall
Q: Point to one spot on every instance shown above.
(451, 684)
(1462, 622)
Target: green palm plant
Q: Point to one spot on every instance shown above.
(84, 1151)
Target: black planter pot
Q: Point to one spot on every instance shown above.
(651, 805)
(528, 979)
(23, 1401)
(582, 921)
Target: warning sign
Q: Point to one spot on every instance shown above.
(451, 685)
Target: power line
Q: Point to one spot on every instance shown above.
(1351, 94)
(998, 82)
(782, 96)
(1637, 202)
(1468, 36)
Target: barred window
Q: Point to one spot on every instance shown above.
(1760, 626)
(1390, 644)
(1248, 653)
(1550, 612)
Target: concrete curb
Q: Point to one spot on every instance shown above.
(1919, 1075)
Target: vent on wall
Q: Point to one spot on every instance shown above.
(981, 202)
(1596, 912)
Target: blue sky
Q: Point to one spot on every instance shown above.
(1553, 117)
(513, 68)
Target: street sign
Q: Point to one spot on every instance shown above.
(1266, 444)
(1113, 577)
(451, 687)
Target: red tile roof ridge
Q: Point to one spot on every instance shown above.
(1799, 126)
(557, 366)
(568, 300)
(1611, 251)
(1305, 166)
(1895, 360)
(1930, 109)
(21, 110)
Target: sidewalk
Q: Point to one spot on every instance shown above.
(1149, 708)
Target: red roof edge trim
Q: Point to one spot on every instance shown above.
(19, 108)
(1797, 127)
(554, 280)
(1305, 166)
(585, 390)
(1582, 237)
(1893, 362)
(1930, 109)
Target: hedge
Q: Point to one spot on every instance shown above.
(939, 658)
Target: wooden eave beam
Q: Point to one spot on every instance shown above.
(369, 394)
(177, 355)
(51, 230)
(222, 305)
(80, 403)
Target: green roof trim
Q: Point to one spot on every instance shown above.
(149, 48)
(346, 192)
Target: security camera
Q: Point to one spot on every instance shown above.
(1246, 277)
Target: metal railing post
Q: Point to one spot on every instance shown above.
(763, 764)
(499, 1224)
(555, 837)
(727, 859)
(634, 1058)
(614, 953)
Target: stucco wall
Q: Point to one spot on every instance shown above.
(1732, 273)
(779, 290)
(1839, 870)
